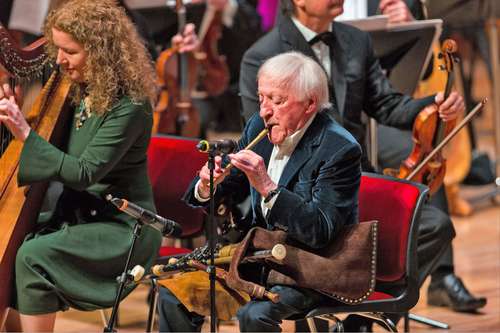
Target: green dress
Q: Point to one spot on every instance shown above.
(73, 261)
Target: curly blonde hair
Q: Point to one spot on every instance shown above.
(117, 61)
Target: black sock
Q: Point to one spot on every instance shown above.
(438, 275)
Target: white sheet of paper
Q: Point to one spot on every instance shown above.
(136, 4)
(29, 15)
(377, 22)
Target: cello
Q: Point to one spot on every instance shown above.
(183, 76)
(49, 116)
(428, 132)
(213, 72)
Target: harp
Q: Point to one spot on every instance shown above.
(48, 116)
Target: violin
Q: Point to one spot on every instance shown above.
(428, 132)
(183, 76)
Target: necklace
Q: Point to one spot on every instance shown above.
(83, 115)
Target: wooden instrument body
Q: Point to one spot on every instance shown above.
(425, 127)
(174, 113)
(183, 76)
(458, 152)
(19, 206)
(428, 131)
(213, 72)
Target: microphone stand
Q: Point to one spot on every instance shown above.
(123, 279)
(212, 234)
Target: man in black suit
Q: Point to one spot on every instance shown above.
(303, 178)
(445, 289)
(357, 84)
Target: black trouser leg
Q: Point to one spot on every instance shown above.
(174, 317)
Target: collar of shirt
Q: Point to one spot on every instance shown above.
(354, 10)
(287, 147)
(321, 50)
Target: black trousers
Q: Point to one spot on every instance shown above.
(394, 146)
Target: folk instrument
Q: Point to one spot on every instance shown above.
(19, 207)
(351, 259)
(252, 144)
(428, 131)
(223, 256)
(199, 260)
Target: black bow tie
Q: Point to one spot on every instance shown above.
(326, 37)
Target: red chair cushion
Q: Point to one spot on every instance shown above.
(172, 165)
(392, 203)
(171, 251)
(377, 296)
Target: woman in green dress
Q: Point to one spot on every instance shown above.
(73, 261)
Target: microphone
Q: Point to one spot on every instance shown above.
(165, 226)
(225, 146)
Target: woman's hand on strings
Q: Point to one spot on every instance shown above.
(11, 115)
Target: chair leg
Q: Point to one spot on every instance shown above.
(407, 321)
(381, 319)
(312, 325)
(339, 324)
(103, 317)
(152, 305)
(428, 321)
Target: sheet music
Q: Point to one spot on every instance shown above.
(411, 67)
(372, 23)
(417, 25)
(137, 4)
(29, 15)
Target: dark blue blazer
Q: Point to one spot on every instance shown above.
(319, 185)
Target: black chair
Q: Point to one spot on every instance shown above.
(396, 205)
(172, 164)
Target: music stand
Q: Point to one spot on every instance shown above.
(405, 50)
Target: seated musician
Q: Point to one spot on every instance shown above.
(358, 84)
(74, 257)
(303, 178)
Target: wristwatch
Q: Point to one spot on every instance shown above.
(271, 194)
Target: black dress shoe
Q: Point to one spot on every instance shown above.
(451, 292)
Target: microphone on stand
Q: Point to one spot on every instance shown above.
(165, 226)
(225, 146)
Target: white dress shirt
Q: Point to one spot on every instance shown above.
(278, 160)
(321, 50)
(353, 10)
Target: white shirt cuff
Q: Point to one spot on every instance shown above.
(197, 194)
